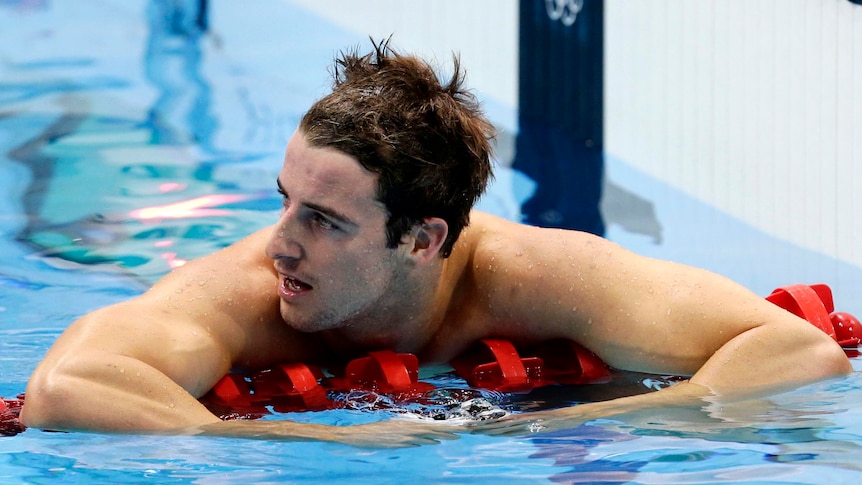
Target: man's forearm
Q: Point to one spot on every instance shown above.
(763, 360)
(772, 357)
(108, 393)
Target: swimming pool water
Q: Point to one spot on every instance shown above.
(127, 149)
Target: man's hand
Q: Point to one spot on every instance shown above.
(682, 395)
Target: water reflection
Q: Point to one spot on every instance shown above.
(104, 170)
(172, 63)
(197, 207)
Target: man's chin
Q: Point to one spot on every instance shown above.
(301, 323)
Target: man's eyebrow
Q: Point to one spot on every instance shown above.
(330, 212)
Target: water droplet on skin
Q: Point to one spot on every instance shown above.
(178, 291)
(122, 371)
(519, 253)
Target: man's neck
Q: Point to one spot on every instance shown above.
(405, 322)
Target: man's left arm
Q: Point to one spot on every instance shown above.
(646, 315)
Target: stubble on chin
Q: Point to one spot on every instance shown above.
(305, 323)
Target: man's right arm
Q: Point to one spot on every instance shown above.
(140, 365)
(103, 374)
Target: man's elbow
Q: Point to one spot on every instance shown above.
(49, 401)
(829, 359)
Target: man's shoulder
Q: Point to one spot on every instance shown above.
(487, 231)
(488, 226)
(494, 243)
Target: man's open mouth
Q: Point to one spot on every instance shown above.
(295, 285)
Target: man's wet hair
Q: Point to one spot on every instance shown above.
(428, 141)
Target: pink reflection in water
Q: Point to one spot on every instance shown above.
(197, 207)
(172, 187)
(173, 260)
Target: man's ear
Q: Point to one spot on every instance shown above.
(428, 238)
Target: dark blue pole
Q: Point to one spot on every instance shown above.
(560, 138)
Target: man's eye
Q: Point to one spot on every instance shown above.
(323, 222)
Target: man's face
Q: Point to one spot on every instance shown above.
(329, 245)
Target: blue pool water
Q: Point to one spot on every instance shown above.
(126, 149)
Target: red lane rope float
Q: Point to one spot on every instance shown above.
(493, 364)
(496, 364)
(10, 409)
(814, 304)
(384, 370)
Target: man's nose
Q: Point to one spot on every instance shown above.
(282, 242)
